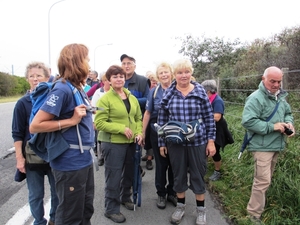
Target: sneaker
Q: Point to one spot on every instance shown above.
(143, 172)
(51, 222)
(117, 218)
(178, 214)
(215, 176)
(128, 205)
(101, 162)
(161, 202)
(144, 158)
(255, 220)
(149, 165)
(172, 199)
(201, 217)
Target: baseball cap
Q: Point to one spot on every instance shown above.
(127, 56)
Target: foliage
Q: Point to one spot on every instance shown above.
(207, 54)
(12, 85)
(214, 58)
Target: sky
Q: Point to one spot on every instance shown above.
(37, 30)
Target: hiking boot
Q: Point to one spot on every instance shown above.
(128, 205)
(117, 218)
(178, 213)
(201, 217)
(149, 165)
(161, 202)
(172, 199)
(215, 176)
(255, 220)
(101, 162)
(143, 172)
(144, 158)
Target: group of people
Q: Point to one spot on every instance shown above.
(130, 106)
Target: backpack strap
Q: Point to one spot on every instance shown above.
(155, 92)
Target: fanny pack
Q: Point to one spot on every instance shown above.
(178, 132)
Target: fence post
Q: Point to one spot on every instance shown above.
(285, 79)
(285, 83)
(218, 86)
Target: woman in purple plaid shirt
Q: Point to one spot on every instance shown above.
(186, 101)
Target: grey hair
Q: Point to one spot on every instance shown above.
(210, 85)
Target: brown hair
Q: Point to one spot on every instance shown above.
(114, 70)
(38, 65)
(73, 64)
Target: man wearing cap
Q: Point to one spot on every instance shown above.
(139, 87)
(136, 84)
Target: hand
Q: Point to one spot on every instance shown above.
(128, 133)
(21, 165)
(163, 151)
(291, 127)
(138, 139)
(79, 112)
(210, 148)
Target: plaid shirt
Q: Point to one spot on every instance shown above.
(174, 106)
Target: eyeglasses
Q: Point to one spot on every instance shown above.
(128, 63)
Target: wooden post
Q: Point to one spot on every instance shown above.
(218, 86)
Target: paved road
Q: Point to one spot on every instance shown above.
(148, 213)
(14, 195)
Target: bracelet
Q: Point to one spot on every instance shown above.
(59, 126)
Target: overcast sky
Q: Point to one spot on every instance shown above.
(144, 29)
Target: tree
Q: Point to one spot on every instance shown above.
(208, 55)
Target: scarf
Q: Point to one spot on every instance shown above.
(212, 97)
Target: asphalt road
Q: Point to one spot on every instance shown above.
(13, 196)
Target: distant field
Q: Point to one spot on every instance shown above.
(9, 99)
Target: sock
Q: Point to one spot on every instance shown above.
(181, 200)
(200, 203)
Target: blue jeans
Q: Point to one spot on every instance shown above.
(36, 188)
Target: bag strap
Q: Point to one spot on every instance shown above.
(155, 92)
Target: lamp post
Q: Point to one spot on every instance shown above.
(49, 47)
(95, 53)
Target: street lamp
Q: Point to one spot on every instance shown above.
(95, 53)
(49, 30)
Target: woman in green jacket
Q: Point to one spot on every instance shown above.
(119, 125)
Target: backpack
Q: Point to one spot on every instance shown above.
(178, 132)
(39, 95)
(39, 142)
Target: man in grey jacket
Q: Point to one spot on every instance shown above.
(268, 135)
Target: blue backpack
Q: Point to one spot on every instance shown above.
(40, 142)
(39, 95)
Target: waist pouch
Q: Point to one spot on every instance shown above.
(33, 161)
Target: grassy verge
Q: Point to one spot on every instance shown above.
(233, 190)
(9, 99)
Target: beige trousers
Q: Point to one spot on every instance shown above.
(264, 167)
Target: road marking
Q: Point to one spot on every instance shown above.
(23, 214)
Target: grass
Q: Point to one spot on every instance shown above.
(233, 190)
(9, 98)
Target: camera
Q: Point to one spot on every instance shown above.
(288, 131)
(93, 109)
